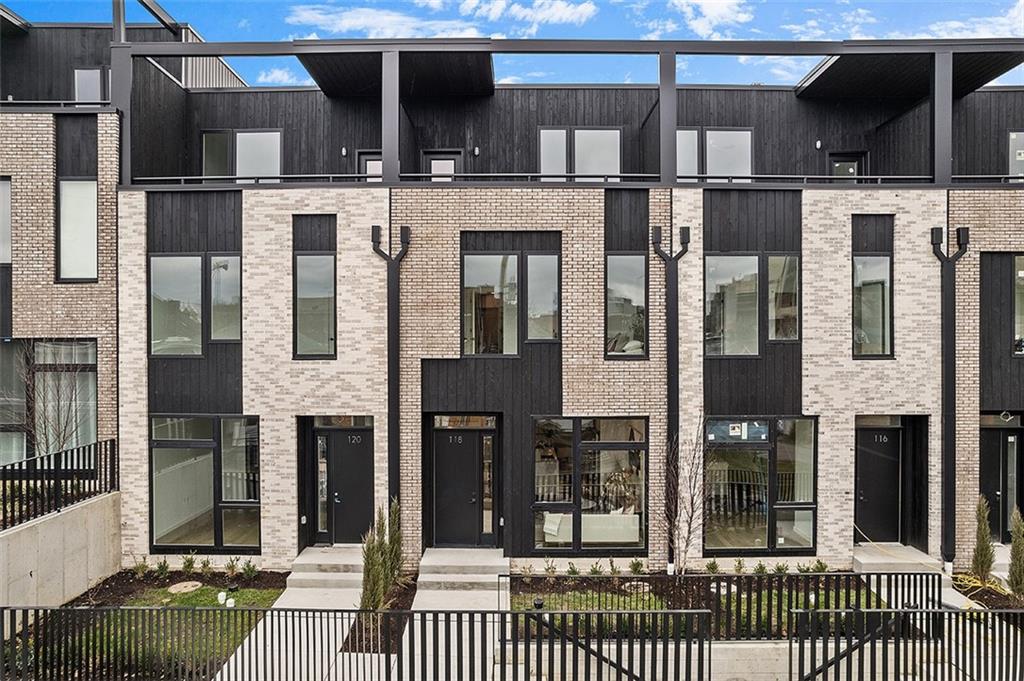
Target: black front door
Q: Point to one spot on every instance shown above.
(350, 487)
(463, 492)
(877, 485)
(999, 471)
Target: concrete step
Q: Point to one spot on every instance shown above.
(325, 580)
(463, 562)
(457, 581)
(329, 559)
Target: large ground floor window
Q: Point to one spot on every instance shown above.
(760, 485)
(204, 477)
(590, 484)
(47, 397)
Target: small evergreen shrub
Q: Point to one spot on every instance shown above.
(1016, 577)
(163, 569)
(188, 564)
(140, 567)
(231, 567)
(636, 567)
(712, 567)
(739, 567)
(249, 570)
(760, 568)
(984, 553)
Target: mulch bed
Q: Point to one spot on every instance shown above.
(366, 635)
(119, 588)
(991, 598)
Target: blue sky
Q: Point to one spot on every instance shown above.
(647, 19)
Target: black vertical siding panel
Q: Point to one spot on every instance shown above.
(626, 214)
(77, 151)
(1001, 371)
(6, 304)
(314, 232)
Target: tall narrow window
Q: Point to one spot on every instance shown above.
(554, 154)
(686, 155)
(490, 304)
(783, 297)
(88, 85)
(225, 297)
(176, 305)
(1016, 153)
(77, 230)
(5, 222)
(257, 155)
(542, 320)
(872, 285)
(626, 305)
(731, 305)
(1018, 305)
(315, 305)
(217, 154)
(728, 155)
(64, 395)
(597, 152)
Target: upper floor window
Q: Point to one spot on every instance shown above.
(490, 304)
(1016, 153)
(89, 85)
(246, 154)
(176, 305)
(783, 297)
(5, 221)
(731, 305)
(542, 313)
(315, 324)
(77, 230)
(728, 154)
(872, 285)
(847, 165)
(626, 305)
(1018, 304)
(442, 165)
(225, 297)
(593, 153)
(372, 165)
(687, 154)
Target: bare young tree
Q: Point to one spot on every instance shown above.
(686, 493)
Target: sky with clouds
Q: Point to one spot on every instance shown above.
(605, 19)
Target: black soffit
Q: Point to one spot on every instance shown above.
(901, 76)
(421, 74)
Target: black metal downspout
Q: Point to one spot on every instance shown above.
(671, 359)
(949, 385)
(394, 358)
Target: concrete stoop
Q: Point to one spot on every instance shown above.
(461, 570)
(328, 567)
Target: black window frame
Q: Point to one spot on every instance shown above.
(570, 154)
(215, 444)
(520, 300)
(703, 159)
(525, 294)
(204, 303)
(700, 152)
(617, 357)
(575, 506)
(208, 303)
(364, 155)
(233, 155)
(428, 156)
(57, 277)
(862, 157)
(891, 255)
(771, 446)
(104, 71)
(1009, 149)
(765, 261)
(296, 355)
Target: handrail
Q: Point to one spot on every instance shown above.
(62, 103)
(830, 179)
(255, 179)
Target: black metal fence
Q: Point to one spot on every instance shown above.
(901, 644)
(246, 644)
(44, 484)
(742, 607)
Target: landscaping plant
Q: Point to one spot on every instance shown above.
(781, 568)
(1016, 577)
(819, 566)
(249, 570)
(802, 568)
(760, 568)
(188, 564)
(163, 569)
(712, 567)
(573, 571)
(636, 566)
(231, 567)
(140, 567)
(205, 567)
(549, 568)
(739, 567)
(984, 553)
(613, 569)
(686, 494)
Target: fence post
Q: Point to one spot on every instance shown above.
(58, 474)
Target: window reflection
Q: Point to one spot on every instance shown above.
(490, 304)
(737, 508)
(872, 313)
(783, 297)
(730, 305)
(542, 320)
(176, 289)
(626, 305)
(553, 461)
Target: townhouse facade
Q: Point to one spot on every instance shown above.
(520, 310)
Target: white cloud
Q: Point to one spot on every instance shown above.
(785, 70)
(855, 21)
(552, 12)
(432, 5)
(656, 28)
(1010, 24)
(510, 80)
(281, 76)
(312, 35)
(378, 23)
(491, 10)
(243, 23)
(809, 30)
(706, 17)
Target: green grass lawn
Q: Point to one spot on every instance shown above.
(204, 596)
(571, 601)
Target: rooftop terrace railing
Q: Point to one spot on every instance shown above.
(51, 103)
(34, 487)
(250, 644)
(743, 607)
(891, 645)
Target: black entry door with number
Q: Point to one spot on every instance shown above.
(999, 470)
(461, 497)
(877, 485)
(350, 487)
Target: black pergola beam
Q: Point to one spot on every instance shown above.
(942, 117)
(161, 15)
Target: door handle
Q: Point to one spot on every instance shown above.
(472, 499)
(337, 499)
(860, 496)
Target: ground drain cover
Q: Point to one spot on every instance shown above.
(184, 587)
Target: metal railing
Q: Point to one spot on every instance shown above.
(888, 645)
(33, 487)
(743, 607)
(52, 103)
(249, 644)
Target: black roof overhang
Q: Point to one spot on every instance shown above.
(421, 74)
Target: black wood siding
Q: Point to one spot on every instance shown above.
(196, 222)
(314, 232)
(1002, 373)
(160, 108)
(77, 151)
(517, 388)
(982, 122)
(626, 218)
(903, 144)
(872, 233)
(6, 303)
(754, 221)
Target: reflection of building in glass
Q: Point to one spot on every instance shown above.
(626, 331)
(729, 308)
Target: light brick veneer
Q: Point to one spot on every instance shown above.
(43, 308)
(591, 384)
(277, 388)
(837, 388)
(996, 221)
